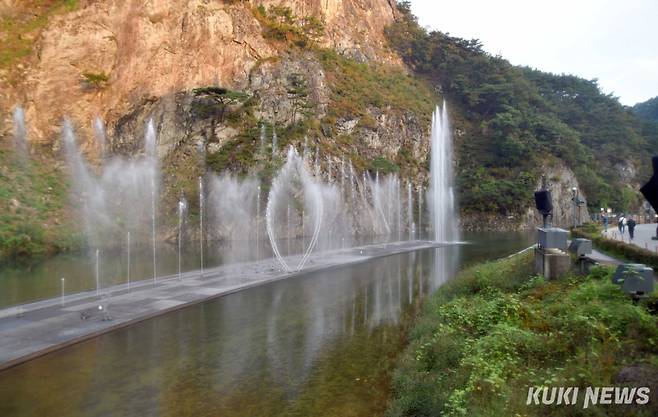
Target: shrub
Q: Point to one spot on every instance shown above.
(95, 79)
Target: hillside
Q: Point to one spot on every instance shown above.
(647, 110)
(515, 119)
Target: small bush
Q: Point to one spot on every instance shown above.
(95, 79)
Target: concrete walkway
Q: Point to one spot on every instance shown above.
(643, 234)
(35, 329)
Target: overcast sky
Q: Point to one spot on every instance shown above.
(615, 41)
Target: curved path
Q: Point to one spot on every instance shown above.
(643, 235)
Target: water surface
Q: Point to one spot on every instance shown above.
(319, 344)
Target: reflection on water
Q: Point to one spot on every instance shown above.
(319, 344)
(20, 284)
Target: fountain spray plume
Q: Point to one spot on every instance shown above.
(201, 207)
(443, 212)
(151, 154)
(293, 187)
(233, 204)
(182, 208)
(274, 141)
(99, 135)
(20, 134)
(120, 199)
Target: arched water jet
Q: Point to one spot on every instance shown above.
(293, 186)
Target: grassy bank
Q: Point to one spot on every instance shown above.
(34, 215)
(495, 330)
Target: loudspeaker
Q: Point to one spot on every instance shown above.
(654, 160)
(650, 190)
(543, 202)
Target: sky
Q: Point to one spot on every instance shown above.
(615, 42)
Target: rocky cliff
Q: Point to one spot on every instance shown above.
(105, 57)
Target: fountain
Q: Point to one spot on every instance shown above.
(410, 213)
(99, 135)
(98, 273)
(122, 198)
(182, 207)
(294, 187)
(262, 138)
(441, 199)
(420, 211)
(201, 207)
(233, 204)
(128, 260)
(274, 141)
(20, 134)
(150, 147)
(120, 201)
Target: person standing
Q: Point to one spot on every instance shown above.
(621, 224)
(631, 227)
(605, 223)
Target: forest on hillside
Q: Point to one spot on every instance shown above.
(518, 118)
(647, 110)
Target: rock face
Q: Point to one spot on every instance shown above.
(560, 180)
(151, 49)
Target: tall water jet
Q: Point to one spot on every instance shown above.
(275, 141)
(258, 210)
(316, 163)
(201, 206)
(420, 212)
(262, 138)
(98, 273)
(182, 205)
(20, 133)
(443, 213)
(128, 260)
(99, 135)
(410, 213)
(150, 148)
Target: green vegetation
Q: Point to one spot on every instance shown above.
(19, 28)
(356, 87)
(356, 90)
(213, 102)
(617, 248)
(647, 110)
(95, 80)
(383, 166)
(33, 210)
(359, 88)
(495, 330)
(516, 118)
(281, 24)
